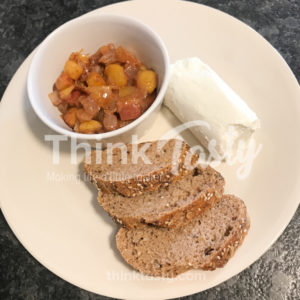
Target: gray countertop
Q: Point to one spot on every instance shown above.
(23, 25)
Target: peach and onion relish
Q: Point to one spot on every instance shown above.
(104, 91)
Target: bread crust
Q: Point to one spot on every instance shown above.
(133, 187)
(216, 260)
(176, 218)
(221, 258)
(171, 214)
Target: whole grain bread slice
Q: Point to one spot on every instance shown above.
(172, 205)
(121, 169)
(206, 243)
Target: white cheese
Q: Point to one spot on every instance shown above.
(196, 92)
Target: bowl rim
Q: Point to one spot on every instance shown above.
(97, 136)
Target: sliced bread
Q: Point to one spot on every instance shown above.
(122, 170)
(205, 243)
(172, 205)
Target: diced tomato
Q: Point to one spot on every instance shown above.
(76, 126)
(131, 106)
(63, 107)
(110, 104)
(108, 54)
(122, 123)
(125, 56)
(72, 100)
(110, 122)
(108, 58)
(131, 71)
(80, 86)
(94, 59)
(129, 110)
(100, 115)
(83, 116)
(90, 105)
(97, 68)
(107, 48)
(140, 94)
(54, 97)
(147, 101)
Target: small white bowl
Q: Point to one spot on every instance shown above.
(89, 33)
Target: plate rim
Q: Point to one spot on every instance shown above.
(26, 63)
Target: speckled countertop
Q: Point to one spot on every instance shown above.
(23, 25)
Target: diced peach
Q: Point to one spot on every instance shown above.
(127, 90)
(95, 79)
(89, 127)
(115, 75)
(65, 93)
(83, 58)
(101, 94)
(70, 117)
(63, 81)
(73, 69)
(79, 57)
(147, 80)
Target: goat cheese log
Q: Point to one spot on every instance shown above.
(196, 92)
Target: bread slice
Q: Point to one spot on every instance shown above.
(205, 243)
(164, 164)
(172, 205)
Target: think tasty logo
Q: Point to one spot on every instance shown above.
(233, 151)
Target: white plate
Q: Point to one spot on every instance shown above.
(60, 223)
